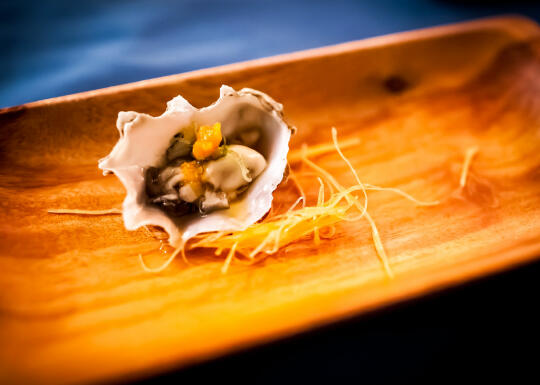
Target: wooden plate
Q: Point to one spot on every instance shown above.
(75, 305)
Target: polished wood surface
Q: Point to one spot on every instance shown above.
(75, 304)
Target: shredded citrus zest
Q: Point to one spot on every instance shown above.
(333, 182)
(229, 258)
(269, 236)
(374, 231)
(292, 176)
(162, 266)
(112, 211)
(320, 201)
(469, 155)
(371, 187)
(379, 246)
(295, 156)
(353, 171)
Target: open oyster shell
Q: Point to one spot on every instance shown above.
(144, 140)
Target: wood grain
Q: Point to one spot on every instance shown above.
(75, 305)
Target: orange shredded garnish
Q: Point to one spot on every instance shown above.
(469, 155)
(320, 149)
(164, 265)
(271, 235)
(298, 186)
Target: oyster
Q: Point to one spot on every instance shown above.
(195, 170)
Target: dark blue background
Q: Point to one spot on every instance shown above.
(53, 48)
(483, 332)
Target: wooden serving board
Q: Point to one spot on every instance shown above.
(75, 304)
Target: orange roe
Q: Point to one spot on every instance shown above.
(192, 171)
(208, 140)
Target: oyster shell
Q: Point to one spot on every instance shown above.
(144, 141)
